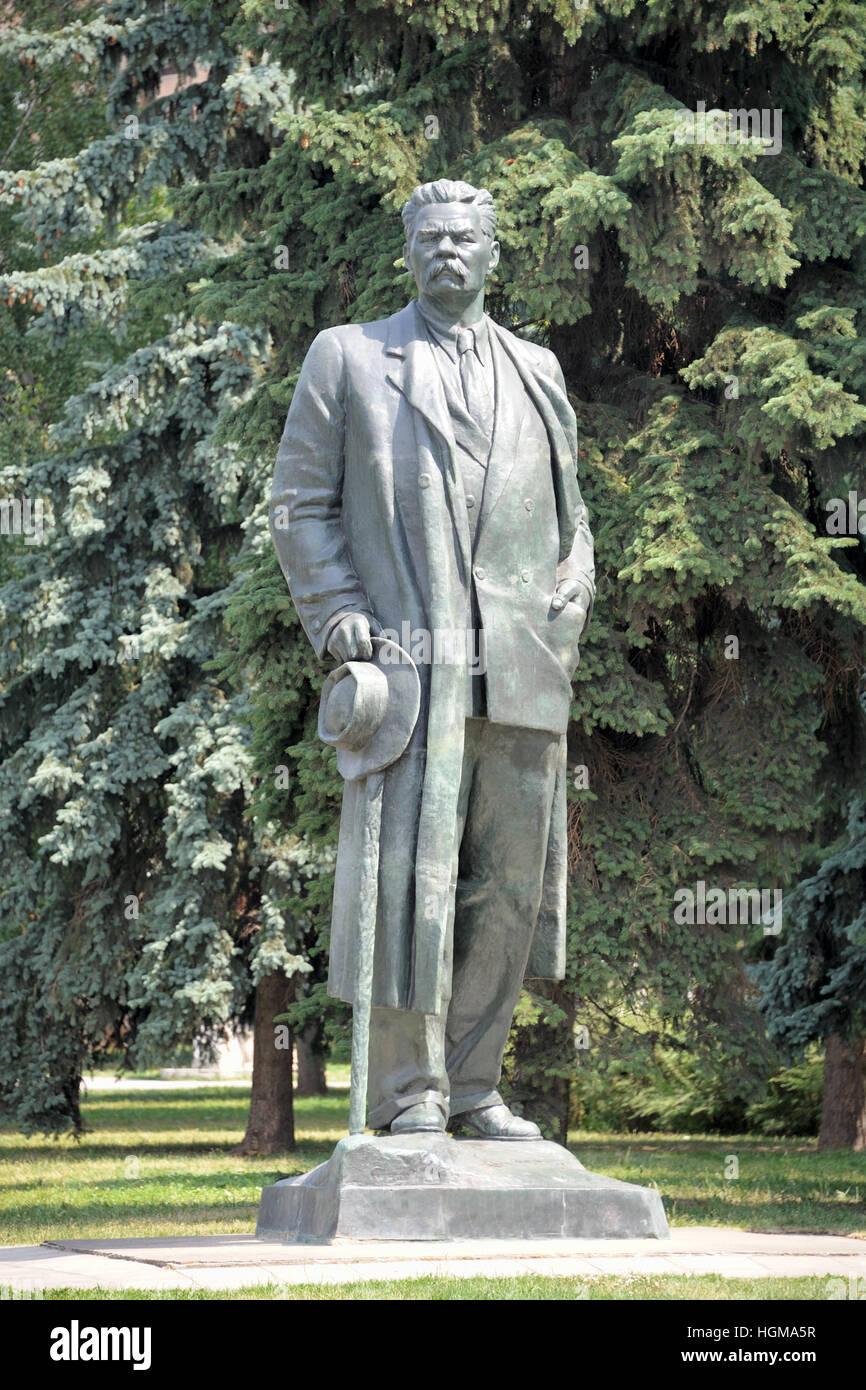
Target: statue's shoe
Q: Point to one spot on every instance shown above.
(424, 1118)
(495, 1122)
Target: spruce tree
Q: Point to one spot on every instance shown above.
(138, 903)
(815, 985)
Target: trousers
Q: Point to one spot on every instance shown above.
(454, 1058)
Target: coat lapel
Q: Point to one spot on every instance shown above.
(553, 407)
(550, 401)
(509, 421)
(414, 373)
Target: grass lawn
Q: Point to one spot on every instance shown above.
(642, 1287)
(157, 1163)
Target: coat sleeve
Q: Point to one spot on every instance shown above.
(306, 499)
(580, 561)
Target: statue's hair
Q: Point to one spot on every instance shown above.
(449, 191)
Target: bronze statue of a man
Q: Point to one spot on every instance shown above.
(427, 484)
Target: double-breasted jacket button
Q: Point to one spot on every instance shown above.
(470, 501)
(529, 504)
(480, 572)
(423, 479)
(315, 625)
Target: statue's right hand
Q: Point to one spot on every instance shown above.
(350, 640)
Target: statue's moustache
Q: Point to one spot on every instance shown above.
(452, 267)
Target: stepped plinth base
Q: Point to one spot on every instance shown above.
(433, 1187)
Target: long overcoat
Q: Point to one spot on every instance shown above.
(368, 515)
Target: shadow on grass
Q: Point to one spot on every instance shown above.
(582, 1144)
(57, 1224)
(318, 1149)
(288, 1164)
(799, 1208)
(220, 1119)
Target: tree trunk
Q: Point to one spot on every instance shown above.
(843, 1109)
(271, 1121)
(311, 1062)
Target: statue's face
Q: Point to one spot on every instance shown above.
(450, 255)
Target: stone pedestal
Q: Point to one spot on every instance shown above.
(432, 1187)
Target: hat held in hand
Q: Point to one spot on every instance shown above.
(369, 708)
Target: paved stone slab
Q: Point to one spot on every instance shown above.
(711, 1239)
(713, 1242)
(32, 1268)
(238, 1261)
(29, 1276)
(818, 1264)
(181, 1252)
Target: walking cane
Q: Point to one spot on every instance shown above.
(367, 906)
(370, 721)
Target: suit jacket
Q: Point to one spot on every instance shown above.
(368, 515)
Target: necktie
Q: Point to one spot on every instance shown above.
(474, 382)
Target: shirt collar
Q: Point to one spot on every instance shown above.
(445, 334)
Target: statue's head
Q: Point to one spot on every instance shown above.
(451, 244)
